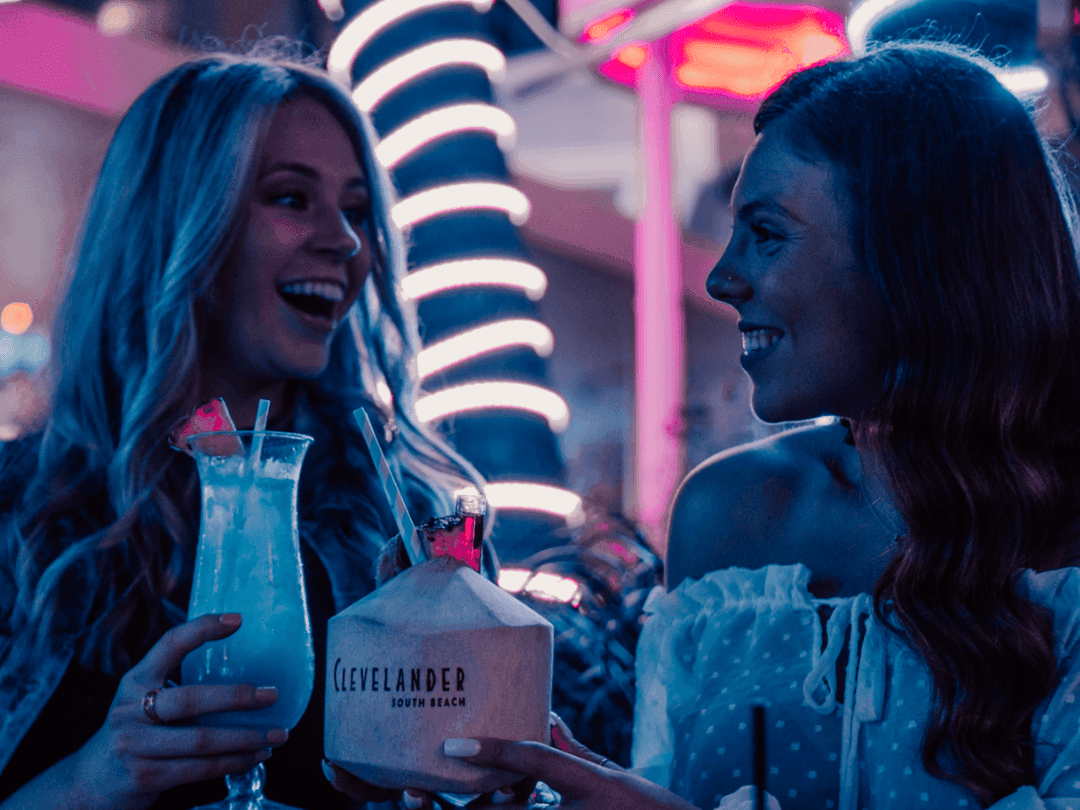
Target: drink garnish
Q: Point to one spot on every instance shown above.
(461, 535)
(209, 418)
(393, 492)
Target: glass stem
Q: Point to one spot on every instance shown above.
(246, 789)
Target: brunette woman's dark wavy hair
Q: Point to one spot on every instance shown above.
(962, 220)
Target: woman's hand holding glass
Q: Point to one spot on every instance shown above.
(133, 757)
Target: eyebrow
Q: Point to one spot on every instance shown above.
(303, 169)
(747, 210)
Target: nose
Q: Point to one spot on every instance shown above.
(726, 285)
(337, 238)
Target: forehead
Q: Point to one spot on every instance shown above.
(304, 131)
(774, 175)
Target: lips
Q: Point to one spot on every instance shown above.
(315, 298)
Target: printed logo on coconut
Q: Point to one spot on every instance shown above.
(407, 687)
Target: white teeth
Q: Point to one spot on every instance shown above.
(754, 340)
(320, 289)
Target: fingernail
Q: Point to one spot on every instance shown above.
(502, 796)
(266, 694)
(412, 801)
(455, 747)
(328, 772)
(230, 619)
(264, 753)
(276, 736)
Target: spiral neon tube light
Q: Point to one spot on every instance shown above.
(1019, 81)
(373, 20)
(460, 197)
(536, 497)
(425, 59)
(479, 396)
(542, 585)
(492, 272)
(436, 124)
(483, 340)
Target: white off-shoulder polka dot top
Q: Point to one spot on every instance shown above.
(714, 647)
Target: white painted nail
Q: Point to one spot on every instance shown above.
(411, 801)
(455, 747)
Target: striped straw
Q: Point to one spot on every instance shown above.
(390, 487)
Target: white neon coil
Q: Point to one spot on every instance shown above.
(484, 340)
(374, 19)
(1019, 81)
(542, 585)
(489, 272)
(461, 197)
(480, 396)
(415, 63)
(537, 498)
(333, 9)
(436, 124)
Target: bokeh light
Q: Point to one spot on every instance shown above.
(16, 318)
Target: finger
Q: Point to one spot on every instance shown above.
(562, 771)
(353, 787)
(563, 739)
(181, 702)
(163, 742)
(169, 652)
(158, 774)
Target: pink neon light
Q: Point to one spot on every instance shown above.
(745, 49)
(64, 57)
(605, 26)
(659, 342)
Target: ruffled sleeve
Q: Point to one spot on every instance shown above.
(1056, 725)
(725, 610)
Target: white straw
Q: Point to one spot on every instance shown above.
(257, 439)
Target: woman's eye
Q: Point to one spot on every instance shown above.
(291, 199)
(762, 234)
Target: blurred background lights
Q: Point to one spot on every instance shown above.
(333, 9)
(374, 19)
(436, 124)
(742, 50)
(483, 339)
(538, 497)
(16, 318)
(499, 272)
(1020, 81)
(495, 394)
(458, 197)
(542, 585)
(423, 60)
(118, 17)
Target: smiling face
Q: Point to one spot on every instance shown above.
(812, 323)
(301, 257)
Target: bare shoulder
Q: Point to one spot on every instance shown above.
(736, 507)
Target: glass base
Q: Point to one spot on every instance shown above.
(246, 793)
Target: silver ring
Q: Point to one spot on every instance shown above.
(603, 763)
(148, 707)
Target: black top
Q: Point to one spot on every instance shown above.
(78, 707)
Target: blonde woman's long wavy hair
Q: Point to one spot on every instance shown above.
(98, 536)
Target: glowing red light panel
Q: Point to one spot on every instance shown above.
(742, 51)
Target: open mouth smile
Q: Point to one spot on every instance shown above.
(758, 339)
(318, 299)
